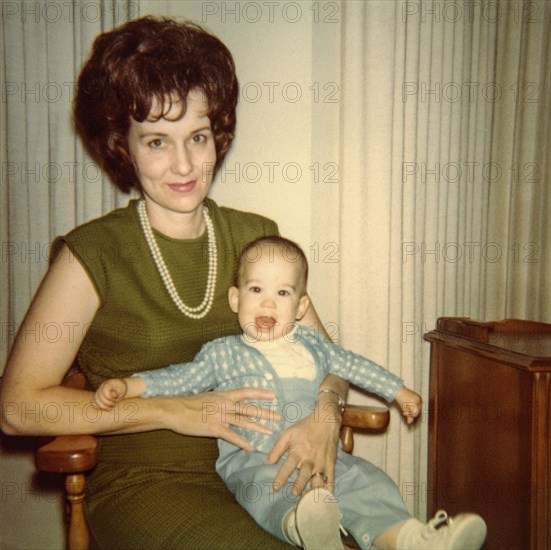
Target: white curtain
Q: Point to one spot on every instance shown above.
(443, 203)
(49, 184)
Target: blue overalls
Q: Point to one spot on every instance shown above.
(369, 500)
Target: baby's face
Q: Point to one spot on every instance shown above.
(269, 299)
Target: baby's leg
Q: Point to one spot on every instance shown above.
(369, 500)
(252, 486)
(374, 512)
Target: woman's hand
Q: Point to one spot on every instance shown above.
(212, 414)
(311, 447)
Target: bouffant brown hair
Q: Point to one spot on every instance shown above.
(145, 62)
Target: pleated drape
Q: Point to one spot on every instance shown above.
(443, 205)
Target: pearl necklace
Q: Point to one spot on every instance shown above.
(192, 312)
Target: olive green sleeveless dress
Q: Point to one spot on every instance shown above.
(159, 489)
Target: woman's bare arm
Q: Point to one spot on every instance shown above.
(340, 386)
(34, 402)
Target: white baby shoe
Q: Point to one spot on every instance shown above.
(314, 523)
(462, 532)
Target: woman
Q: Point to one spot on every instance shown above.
(146, 286)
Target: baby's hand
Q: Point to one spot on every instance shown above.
(409, 402)
(110, 393)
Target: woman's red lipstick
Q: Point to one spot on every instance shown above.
(183, 187)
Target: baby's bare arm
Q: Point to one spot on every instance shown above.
(409, 402)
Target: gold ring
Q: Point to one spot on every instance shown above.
(322, 474)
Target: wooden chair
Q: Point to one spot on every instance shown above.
(75, 455)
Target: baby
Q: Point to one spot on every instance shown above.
(275, 352)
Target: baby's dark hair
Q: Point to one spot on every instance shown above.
(290, 251)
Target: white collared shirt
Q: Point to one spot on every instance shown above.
(289, 358)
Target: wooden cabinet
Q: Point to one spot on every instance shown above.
(490, 427)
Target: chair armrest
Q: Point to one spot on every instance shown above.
(366, 417)
(361, 418)
(68, 454)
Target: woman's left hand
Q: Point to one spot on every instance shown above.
(311, 447)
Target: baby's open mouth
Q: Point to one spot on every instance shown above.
(265, 323)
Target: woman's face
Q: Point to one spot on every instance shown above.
(174, 159)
